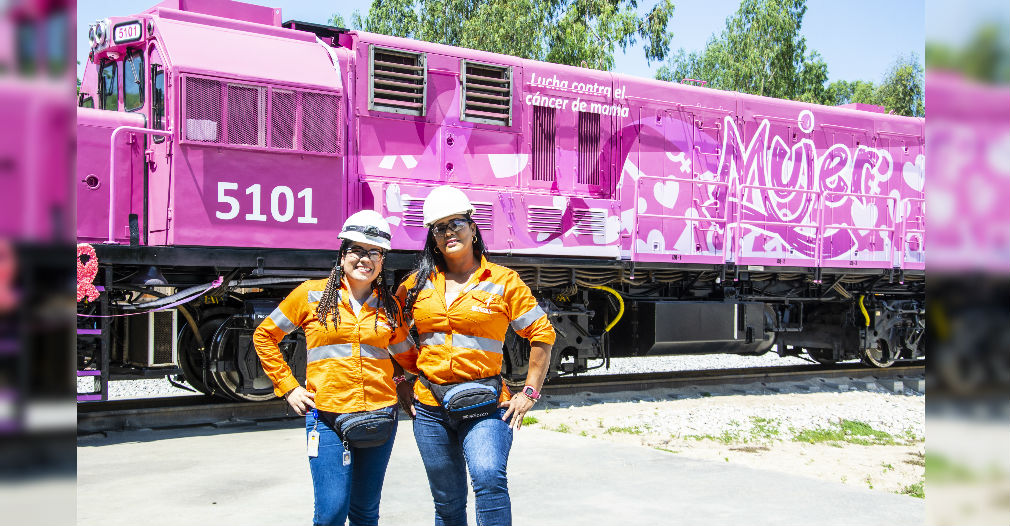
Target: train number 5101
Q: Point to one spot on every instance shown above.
(282, 203)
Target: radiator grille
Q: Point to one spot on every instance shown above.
(298, 119)
(483, 214)
(164, 325)
(589, 148)
(412, 212)
(320, 122)
(544, 220)
(589, 222)
(244, 115)
(544, 132)
(282, 118)
(203, 110)
(487, 93)
(398, 80)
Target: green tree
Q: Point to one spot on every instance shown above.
(760, 51)
(583, 33)
(903, 88)
(336, 20)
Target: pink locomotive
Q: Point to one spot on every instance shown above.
(215, 140)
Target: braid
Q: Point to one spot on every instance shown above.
(386, 303)
(330, 302)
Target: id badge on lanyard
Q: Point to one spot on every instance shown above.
(313, 442)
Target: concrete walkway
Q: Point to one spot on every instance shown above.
(258, 475)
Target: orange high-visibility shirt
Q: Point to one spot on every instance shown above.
(464, 341)
(349, 367)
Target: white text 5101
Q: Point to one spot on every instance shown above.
(282, 203)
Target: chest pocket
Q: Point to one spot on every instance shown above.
(427, 309)
(483, 307)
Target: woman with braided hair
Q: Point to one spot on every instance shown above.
(353, 327)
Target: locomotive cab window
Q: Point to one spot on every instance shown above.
(487, 93)
(397, 81)
(133, 81)
(158, 99)
(108, 87)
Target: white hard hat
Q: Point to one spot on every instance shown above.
(445, 201)
(367, 226)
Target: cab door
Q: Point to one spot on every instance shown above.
(157, 181)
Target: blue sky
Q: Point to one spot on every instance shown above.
(859, 39)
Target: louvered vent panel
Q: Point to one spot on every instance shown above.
(243, 115)
(203, 110)
(487, 93)
(589, 222)
(544, 220)
(589, 148)
(320, 122)
(412, 212)
(544, 132)
(282, 118)
(398, 81)
(483, 214)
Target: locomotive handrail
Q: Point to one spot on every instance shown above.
(724, 219)
(112, 167)
(903, 237)
(816, 201)
(893, 229)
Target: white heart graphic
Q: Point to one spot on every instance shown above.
(915, 174)
(393, 203)
(666, 193)
(643, 205)
(655, 243)
(863, 215)
(611, 231)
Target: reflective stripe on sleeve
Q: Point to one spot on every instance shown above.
(476, 342)
(337, 350)
(490, 287)
(371, 351)
(315, 296)
(532, 315)
(281, 321)
(402, 347)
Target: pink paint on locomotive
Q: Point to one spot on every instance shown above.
(597, 164)
(578, 162)
(255, 109)
(969, 138)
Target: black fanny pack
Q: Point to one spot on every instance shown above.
(467, 400)
(364, 428)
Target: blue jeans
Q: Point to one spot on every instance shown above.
(343, 492)
(449, 450)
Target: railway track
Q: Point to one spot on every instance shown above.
(190, 411)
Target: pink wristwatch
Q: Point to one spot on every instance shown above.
(531, 393)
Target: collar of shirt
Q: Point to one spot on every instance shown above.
(482, 272)
(344, 296)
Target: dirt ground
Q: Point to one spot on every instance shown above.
(891, 462)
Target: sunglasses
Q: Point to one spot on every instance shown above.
(454, 225)
(373, 254)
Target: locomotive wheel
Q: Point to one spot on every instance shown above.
(191, 358)
(879, 356)
(225, 351)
